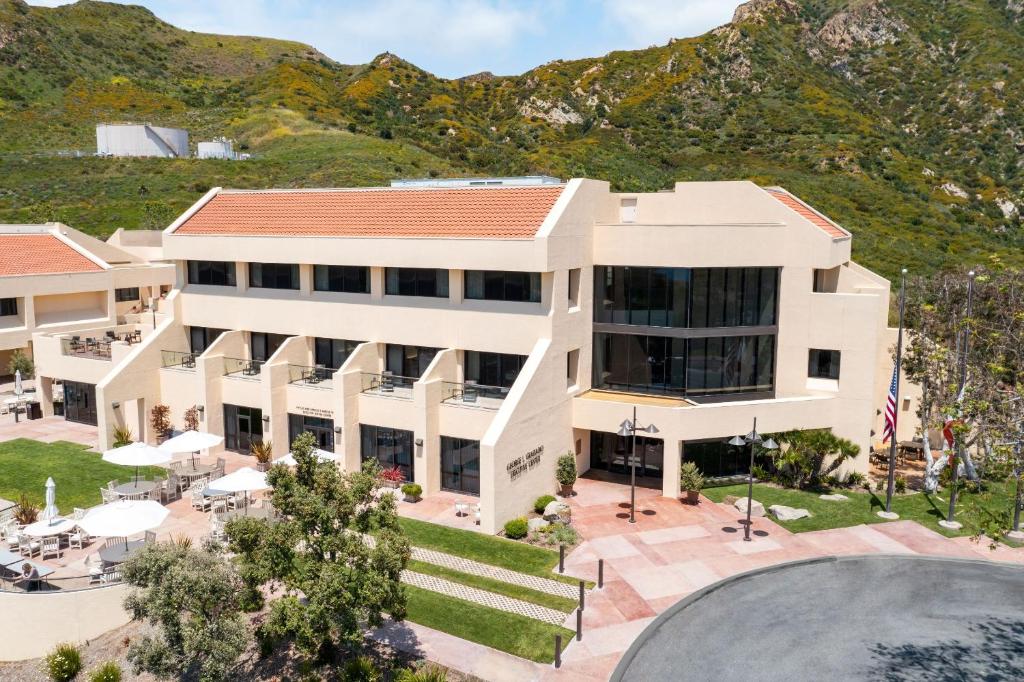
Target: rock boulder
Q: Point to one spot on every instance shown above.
(784, 513)
(557, 511)
(756, 508)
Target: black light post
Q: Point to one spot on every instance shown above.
(629, 428)
(752, 439)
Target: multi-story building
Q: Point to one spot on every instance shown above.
(471, 335)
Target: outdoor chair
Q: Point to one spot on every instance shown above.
(51, 547)
(111, 335)
(150, 537)
(171, 488)
(78, 539)
(111, 574)
(27, 546)
(476, 512)
(217, 530)
(109, 495)
(199, 501)
(95, 566)
(111, 484)
(387, 383)
(219, 505)
(221, 463)
(469, 392)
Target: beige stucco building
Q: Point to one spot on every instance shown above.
(469, 335)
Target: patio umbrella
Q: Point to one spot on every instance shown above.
(18, 388)
(50, 511)
(244, 480)
(191, 441)
(323, 455)
(136, 455)
(123, 518)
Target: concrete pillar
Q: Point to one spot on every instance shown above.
(274, 402)
(427, 457)
(671, 465)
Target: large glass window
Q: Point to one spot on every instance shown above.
(416, 282)
(409, 361)
(321, 428)
(126, 294)
(243, 426)
(493, 369)
(731, 364)
(263, 345)
(460, 465)
(823, 364)
(8, 306)
(388, 447)
(612, 452)
(351, 279)
(202, 338)
(685, 297)
(274, 275)
(332, 353)
(217, 273)
(716, 458)
(499, 285)
(80, 402)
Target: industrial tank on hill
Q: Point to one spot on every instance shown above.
(142, 139)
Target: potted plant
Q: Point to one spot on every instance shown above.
(263, 451)
(691, 480)
(412, 492)
(26, 512)
(392, 477)
(160, 420)
(122, 436)
(566, 473)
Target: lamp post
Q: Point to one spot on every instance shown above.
(629, 428)
(752, 439)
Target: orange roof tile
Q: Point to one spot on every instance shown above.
(40, 254)
(482, 213)
(805, 211)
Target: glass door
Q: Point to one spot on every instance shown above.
(322, 429)
(243, 426)
(80, 402)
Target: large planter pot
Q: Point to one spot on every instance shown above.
(691, 497)
(392, 484)
(262, 466)
(566, 490)
(412, 498)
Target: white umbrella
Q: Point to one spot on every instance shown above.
(323, 455)
(50, 511)
(18, 388)
(136, 455)
(243, 480)
(123, 518)
(191, 441)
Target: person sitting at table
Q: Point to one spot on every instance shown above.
(31, 577)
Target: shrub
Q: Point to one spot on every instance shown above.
(412, 489)
(23, 363)
(106, 672)
(63, 663)
(262, 450)
(428, 673)
(855, 479)
(690, 477)
(122, 436)
(566, 472)
(542, 502)
(810, 457)
(26, 512)
(360, 669)
(516, 528)
(160, 419)
(760, 473)
(557, 534)
(833, 481)
(191, 419)
(900, 485)
(393, 475)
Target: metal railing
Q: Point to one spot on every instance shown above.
(309, 376)
(242, 367)
(177, 358)
(472, 395)
(388, 384)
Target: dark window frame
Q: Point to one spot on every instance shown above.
(502, 285)
(377, 437)
(322, 429)
(211, 273)
(458, 476)
(346, 279)
(407, 356)
(824, 364)
(332, 353)
(8, 307)
(424, 282)
(127, 294)
(493, 369)
(283, 276)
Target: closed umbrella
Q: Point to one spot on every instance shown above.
(18, 388)
(244, 480)
(136, 455)
(123, 518)
(50, 511)
(191, 441)
(323, 455)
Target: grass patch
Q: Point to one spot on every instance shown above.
(487, 549)
(508, 632)
(862, 506)
(497, 586)
(79, 474)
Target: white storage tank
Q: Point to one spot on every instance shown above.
(141, 139)
(218, 148)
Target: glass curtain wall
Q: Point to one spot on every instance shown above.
(332, 353)
(612, 452)
(388, 447)
(460, 465)
(321, 428)
(409, 361)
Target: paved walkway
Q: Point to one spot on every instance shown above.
(483, 597)
(505, 575)
(47, 430)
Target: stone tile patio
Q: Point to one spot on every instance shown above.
(47, 430)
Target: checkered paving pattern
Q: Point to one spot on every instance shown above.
(532, 582)
(483, 597)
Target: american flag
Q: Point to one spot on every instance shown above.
(889, 430)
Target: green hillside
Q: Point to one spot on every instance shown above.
(902, 119)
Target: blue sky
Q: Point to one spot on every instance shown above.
(453, 38)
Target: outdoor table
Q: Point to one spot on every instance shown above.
(116, 554)
(195, 470)
(42, 570)
(135, 488)
(58, 526)
(8, 558)
(251, 512)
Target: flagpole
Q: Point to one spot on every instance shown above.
(950, 520)
(891, 483)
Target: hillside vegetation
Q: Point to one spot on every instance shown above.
(901, 119)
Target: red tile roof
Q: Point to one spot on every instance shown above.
(40, 254)
(482, 213)
(826, 225)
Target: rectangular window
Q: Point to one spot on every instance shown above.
(262, 345)
(574, 287)
(8, 306)
(332, 353)
(493, 369)
(408, 361)
(349, 279)
(127, 294)
(460, 465)
(388, 447)
(430, 282)
(627, 210)
(612, 452)
(716, 458)
(202, 338)
(321, 428)
(823, 364)
(243, 426)
(500, 285)
(572, 368)
(274, 275)
(216, 273)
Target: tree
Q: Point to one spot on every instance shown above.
(191, 597)
(334, 582)
(160, 420)
(805, 459)
(21, 363)
(191, 419)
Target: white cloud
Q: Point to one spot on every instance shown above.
(650, 22)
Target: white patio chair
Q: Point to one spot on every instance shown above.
(95, 566)
(199, 501)
(27, 546)
(78, 513)
(219, 505)
(51, 547)
(111, 574)
(109, 495)
(150, 537)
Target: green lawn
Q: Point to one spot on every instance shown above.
(509, 632)
(862, 506)
(497, 586)
(25, 465)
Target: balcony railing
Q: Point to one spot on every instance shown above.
(470, 394)
(242, 367)
(177, 359)
(96, 345)
(388, 384)
(310, 376)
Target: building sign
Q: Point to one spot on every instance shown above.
(520, 465)
(314, 412)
